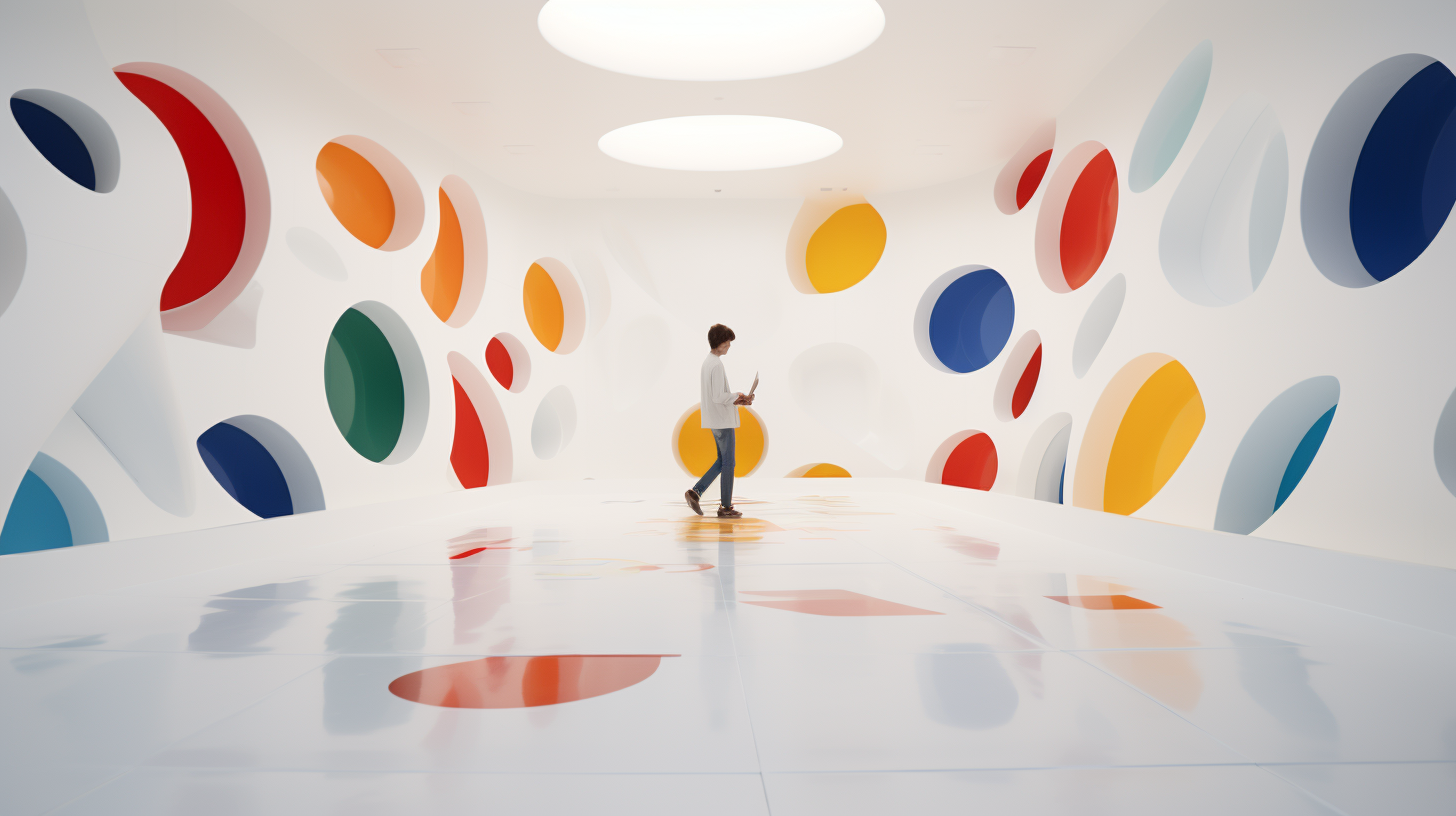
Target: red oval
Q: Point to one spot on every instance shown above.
(498, 360)
(524, 682)
(219, 210)
(1031, 178)
(469, 455)
(1089, 219)
(1026, 385)
(972, 464)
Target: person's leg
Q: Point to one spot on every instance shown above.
(712, 473)
(727, 459)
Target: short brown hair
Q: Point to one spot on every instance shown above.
(719, 334)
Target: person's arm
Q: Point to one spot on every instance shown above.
(718, 388)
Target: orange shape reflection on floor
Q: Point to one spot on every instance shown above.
(524, 681)
(840, 603)
(1103, 601)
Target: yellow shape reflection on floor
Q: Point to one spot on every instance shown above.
(845, 248)
(357, 193)
(1158, 429)
(444, 273)
(545, 313)
(698, 451)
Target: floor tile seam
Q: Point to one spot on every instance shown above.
(1015, 768)
(1287, 764)
(988, 613)
(123, 771)
(1179, 715)
(1224, 581)
(748, 710)
(1307, 793)
(267, 769)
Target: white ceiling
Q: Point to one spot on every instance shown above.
(951, 88)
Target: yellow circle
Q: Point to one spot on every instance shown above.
(544, 312)
(697, 451)
(825, 470)
(845, 248)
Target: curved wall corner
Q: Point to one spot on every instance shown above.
(1274, 454)
(492, 420)
(509, 362)
(375, 383)
(94, 164)
(83, 513)
(964, 319)
(1042, 475)
(695, 451)
(967, 459)
(231, 205)
(1445, 444)
(12, 252)
(1022, 174)
(387, 219)
(554, 424)
(1170, 119)
(1019, 376)
(1077, 218)
(1223, 223)
(453, 279)
(554, 305)
(1143, 425)
(1366, 207)
(1097, 325)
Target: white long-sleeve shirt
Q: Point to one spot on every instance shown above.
(718, 408)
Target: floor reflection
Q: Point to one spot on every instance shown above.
(351, 705)
(966, 686)
(1276, 676)
(244, 618)
(524, 682)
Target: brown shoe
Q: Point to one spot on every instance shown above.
(692, 498)
(728, 512)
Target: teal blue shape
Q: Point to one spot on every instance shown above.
(36, 520)
(1303, 456)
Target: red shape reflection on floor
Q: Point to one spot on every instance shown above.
(1103, 601)
(840, 603)
(524, 681)
(974, 547)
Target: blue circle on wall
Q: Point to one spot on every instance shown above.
(246, 470)
(971, 320)
(56, 140)
(1405, 180)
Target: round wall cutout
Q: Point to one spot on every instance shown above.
(845, 248)
(964, 319)
(453, 279)
(554, 306)
(1077, 218)
(695, 450)
(1445, 444)
(1275, 453)
(231, 209)
(33, 522)
(1097, 325)
(1022, 174)
(554, 424)
(12, 252)
(508, 362)
(70, 135)
(1171, 119)
(372, 193)
(967, 459)
(247, 470)
(1223, 222)
(375, 384)
(818, 470)
(1018, 378)
(469, 453)
(1381, 177)
(1043, 474)
(481, 453)
(1142, 427)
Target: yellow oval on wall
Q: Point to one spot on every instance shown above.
(444, 273)
(357, 193)
(544, 311)
(845, 248)
(698, 451)
(1158, 429)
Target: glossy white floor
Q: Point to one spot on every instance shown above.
(916, 658)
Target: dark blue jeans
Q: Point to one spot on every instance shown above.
(724, 464)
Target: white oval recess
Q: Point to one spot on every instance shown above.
(1171, 119)
(720, 143)
(710, 40)
(1097, 325)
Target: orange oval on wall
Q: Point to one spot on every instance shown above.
(356, 192)
(545, 313)
(444, 273)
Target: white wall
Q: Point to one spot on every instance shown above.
(655, 274)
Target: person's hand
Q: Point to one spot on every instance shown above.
(742, 400)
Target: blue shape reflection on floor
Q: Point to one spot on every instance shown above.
(264, 687)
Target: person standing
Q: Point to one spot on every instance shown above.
(720, 415)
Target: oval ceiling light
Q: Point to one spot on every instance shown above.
(710, 40)
(720, 143)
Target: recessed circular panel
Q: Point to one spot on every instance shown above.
(1019, 377)
(70, 135)
(710, 40)
(845, 248)
(965, 319)
(375, 383)
(695, 449)
(246, 470)
(36, 519)
(1171, 119)
(720, 143)
(966, 459)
